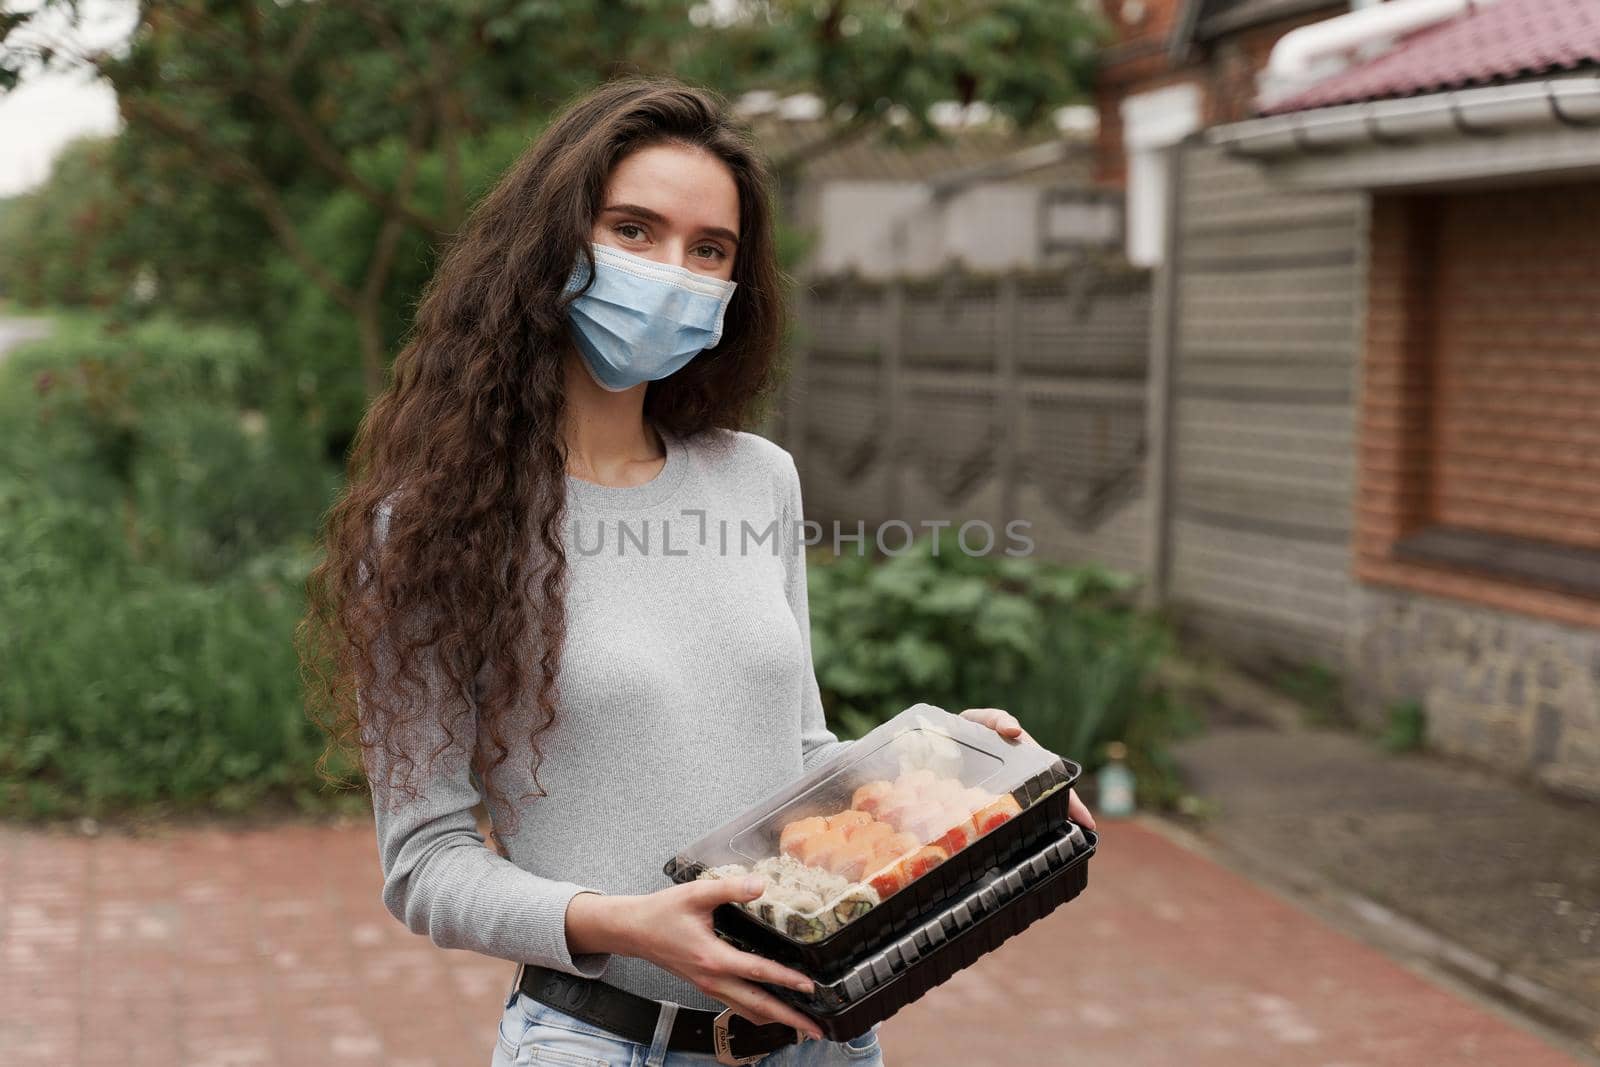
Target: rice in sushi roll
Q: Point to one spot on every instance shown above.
(856, 902)
(799, 913)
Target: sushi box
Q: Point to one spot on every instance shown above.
(998, 905)
(867, 848)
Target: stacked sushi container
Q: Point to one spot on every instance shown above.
(924, 845)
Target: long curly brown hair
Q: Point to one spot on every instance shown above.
(447, 619)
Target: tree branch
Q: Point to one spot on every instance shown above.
(268, 86)
(261, 191)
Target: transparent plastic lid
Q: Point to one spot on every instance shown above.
(853, 832)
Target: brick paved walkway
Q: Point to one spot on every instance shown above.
(214, 947)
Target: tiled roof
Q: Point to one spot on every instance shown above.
(1504, 41)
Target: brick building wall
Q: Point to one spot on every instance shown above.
(1140, 60)
(1481, 379)
(1135, 62)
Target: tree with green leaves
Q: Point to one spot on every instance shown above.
(264, 126)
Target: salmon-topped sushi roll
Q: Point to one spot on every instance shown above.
(960, 830)
(996, 812)
(922, 861)
(824, 849)
(867, 797)
(927, 824)
(813, 845)
(853, 858)
(848, 818)
(793, 833)
(885, 872)
(868, 831)
(899, 808)
(897, 846)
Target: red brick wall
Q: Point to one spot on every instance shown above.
(1138, 62)
(1518, 393)
(1135, 62)
(1481, 383)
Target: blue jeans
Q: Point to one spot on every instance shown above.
(532, 1033)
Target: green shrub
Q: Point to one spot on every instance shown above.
(1406, 729)
(125, 688)
(1061, 647)
(154, 537)
(1315, 686)
(163, 424)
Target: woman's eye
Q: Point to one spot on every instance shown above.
(716, 253)
(630, 226)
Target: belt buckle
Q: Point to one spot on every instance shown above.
(723, 1042)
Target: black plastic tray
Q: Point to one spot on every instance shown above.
(1044, 800)
(999, 906)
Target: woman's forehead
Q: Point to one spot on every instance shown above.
(691, 188)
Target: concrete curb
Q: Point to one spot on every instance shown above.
(1552, 1016)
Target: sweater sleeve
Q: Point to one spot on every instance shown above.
(817, 742)
(439, 877)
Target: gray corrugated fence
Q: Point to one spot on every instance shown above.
(978, 397)
(1267, 303)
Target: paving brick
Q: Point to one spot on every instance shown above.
(218, 948)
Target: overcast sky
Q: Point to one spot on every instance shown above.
(45, 112)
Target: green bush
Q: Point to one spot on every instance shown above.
(1405, 728)
(125, 688)
(1061, 647)
(154, 537)
(166, 424)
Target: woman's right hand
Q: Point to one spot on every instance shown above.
(672, 929)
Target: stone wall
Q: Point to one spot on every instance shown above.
(1510, 691)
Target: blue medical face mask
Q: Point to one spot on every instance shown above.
(642, 320)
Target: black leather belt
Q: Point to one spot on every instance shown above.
(731, 1038)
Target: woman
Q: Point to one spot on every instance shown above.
(539, 592)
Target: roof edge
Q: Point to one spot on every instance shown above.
(1453, 113)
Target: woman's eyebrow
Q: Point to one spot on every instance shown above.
(657, 217)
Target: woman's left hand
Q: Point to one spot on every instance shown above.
(1006, 725)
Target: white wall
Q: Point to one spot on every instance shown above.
(882, 228)
(1150, 122)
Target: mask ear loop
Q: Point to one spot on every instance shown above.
(587, 259)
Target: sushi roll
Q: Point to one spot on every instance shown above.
(856, 902)
(825, 849)
(851, 861)
(869, 796)
(793, 834)
(888, 879)
(848, 818)
(871, 831)
(884, 871)
(825, 884)
(727, 870)
(898, 846)
(928, 824)
(995, 813)
(799, 914)
(765, 908)
(922, 861)
(899, 808)
(810, 848)
(961, 832)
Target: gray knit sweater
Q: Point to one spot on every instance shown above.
(686, 695)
